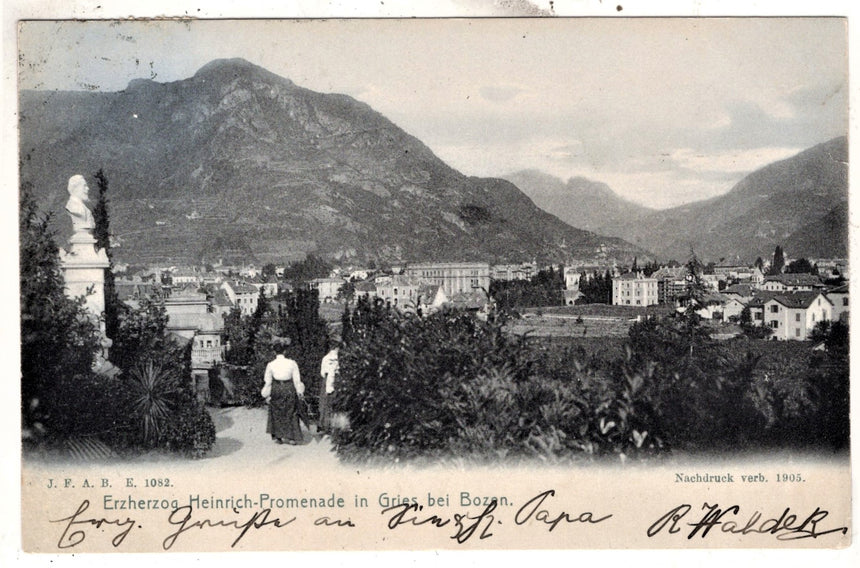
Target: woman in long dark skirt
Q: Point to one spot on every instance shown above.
(282, 389)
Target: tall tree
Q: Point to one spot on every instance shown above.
(101, 232)
(778, 261)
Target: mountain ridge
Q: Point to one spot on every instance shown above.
(238, 162)
(579, 201)
(800, 202)
(761, 211)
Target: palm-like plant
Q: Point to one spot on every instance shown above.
(154, 390)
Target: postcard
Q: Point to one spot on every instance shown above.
(467, 284)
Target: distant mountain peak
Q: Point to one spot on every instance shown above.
(579, 201)
(141, 84)
(225, 69)
(239, 163)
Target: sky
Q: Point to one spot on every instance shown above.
(665, 111)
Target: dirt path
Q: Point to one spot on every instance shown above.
(242, 440)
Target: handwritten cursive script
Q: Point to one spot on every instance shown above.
(181, 518)
(532, 509)
(465, 526)
(788, 526)
(74, 531)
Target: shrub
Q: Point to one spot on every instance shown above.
(449, 383)
(154, 391)
(191, 431)
(413, 386)
(90, 405)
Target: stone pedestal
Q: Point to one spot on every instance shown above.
(84, 270)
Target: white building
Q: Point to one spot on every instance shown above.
(243, 295)
(793, 316)
(454, 277)
(634, 289)
(839, 299)
(399, 290)
(328, 287)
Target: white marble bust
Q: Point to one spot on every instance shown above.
(82, 217)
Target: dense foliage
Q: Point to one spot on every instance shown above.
(303, 271)
(451, 384)
(801, 266)
(58, 339)
(778, 261)
(544, 289)
(595, 288)
(159, 400)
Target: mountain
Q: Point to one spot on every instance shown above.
(823, 238)
(241, 164)
(800, 203)
(579, 202)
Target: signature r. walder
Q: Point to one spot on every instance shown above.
(788, 526)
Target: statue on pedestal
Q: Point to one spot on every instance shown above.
(84, 265)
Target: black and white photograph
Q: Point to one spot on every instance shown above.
(287, 282)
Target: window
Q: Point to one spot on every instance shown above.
(797, 332)
(796, 317)
(844, 301)
(774, 309)
(774, 324)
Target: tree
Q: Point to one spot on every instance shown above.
(58, 337)
(801, 266)
(544, 289)
(101, 232)
(759, 263)
(306, 270)
(268, 271)
(835, 336)
(347, 291)
(595, 290)
(778, 262)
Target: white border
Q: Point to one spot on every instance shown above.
(13, 10)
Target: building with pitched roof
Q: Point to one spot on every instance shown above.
(243, 295)
(431, 297)
(793, 316)
(399, 290)
(792, 283)
(741, 292)
(839, 298)
(634, 289)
